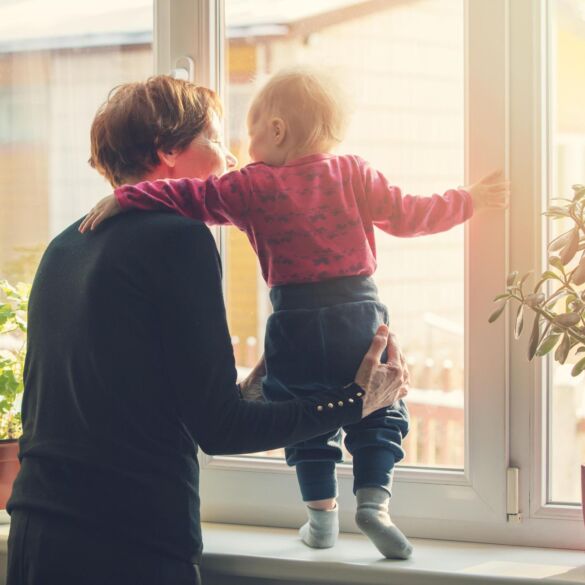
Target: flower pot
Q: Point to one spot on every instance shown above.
(583, 490)
(9, 466)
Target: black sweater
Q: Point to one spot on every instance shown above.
(129, 368)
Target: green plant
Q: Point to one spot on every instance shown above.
(13, 310)
(23, 263)
(557, 300)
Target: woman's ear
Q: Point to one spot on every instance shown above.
(278, 130)
(168, 157)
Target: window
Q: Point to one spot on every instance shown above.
(58, 61)
(488, 116)
(445, 91)
(395, 56)
(460, 132)
(566, 395)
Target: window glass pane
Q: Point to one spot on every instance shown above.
(403, 64)
(58, 61)
(566, 394)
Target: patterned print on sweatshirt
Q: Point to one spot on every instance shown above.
(309, 220)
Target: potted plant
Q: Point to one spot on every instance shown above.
(558, 298)
(13, 310)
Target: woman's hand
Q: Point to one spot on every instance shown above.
(386, 383)
(251, 385)
(491, 192)
(107, 207)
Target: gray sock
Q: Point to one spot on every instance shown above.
(322, 529)
(374, 521)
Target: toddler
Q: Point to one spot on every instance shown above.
(310, 217)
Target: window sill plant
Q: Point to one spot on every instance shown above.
(558, 298)
(13, 310)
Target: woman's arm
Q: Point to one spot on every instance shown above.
(197, 351)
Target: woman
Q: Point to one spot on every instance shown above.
(130, 368)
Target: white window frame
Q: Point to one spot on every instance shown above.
(531, 167)
(503, 420)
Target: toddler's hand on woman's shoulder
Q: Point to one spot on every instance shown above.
(106, 207)
(490, 192)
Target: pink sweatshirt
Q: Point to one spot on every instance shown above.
(309, 220)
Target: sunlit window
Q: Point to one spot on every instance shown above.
(392, 57)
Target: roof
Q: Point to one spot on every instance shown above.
(71, 23)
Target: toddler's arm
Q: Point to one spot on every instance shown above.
(411, 215)
(215, 201)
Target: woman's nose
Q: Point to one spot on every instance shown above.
(231, 160)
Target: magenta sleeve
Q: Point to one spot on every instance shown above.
(412, 215)
(215, 201)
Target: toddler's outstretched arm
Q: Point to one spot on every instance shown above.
(215, 201)
(411, 215)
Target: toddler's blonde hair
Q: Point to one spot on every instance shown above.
(310, 101)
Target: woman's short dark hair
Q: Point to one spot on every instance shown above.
(140, 118)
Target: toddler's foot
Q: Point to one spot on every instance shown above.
(374, 521)
(322, 529)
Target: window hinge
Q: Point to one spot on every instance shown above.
(512, 500)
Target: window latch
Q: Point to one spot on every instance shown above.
(512, 496)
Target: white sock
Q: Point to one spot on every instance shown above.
(322, 528)
(374, 521)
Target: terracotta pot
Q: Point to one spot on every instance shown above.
(9, 467)
(583, 490)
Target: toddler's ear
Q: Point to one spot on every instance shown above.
(168, 157)
(278, 130)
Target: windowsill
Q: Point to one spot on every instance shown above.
(253, 552)
(272, 553)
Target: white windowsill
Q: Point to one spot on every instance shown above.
(277, 554)
(272, 553)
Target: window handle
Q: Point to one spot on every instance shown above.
(184, 69)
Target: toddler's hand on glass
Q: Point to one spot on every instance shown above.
(491, 192)
(105, 208)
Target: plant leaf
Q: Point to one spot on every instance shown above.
(555, 211)
(511, 280)
(519, 322)
(496, 313)
(525, 277)
(560, 241)
(556, 262)
(567, 319)
(562, 350)
(548, 274)
(533, 300)
(534, 336)
(570, 249)
(578, 367)
(547, 344)
(498, 298)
